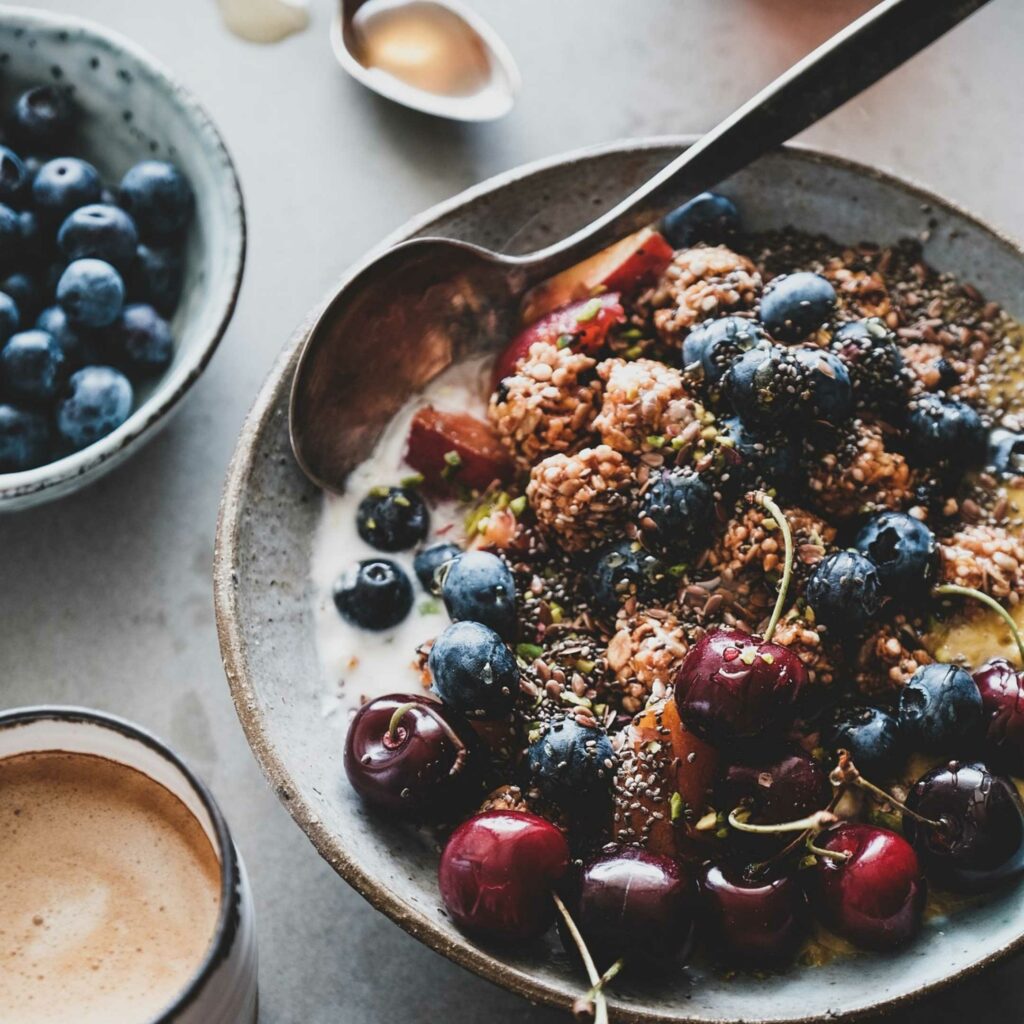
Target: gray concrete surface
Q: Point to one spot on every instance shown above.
(105, 597)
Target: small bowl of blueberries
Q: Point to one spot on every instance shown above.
(122, 244)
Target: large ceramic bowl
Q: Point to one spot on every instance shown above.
(133, 109)
(265, 604)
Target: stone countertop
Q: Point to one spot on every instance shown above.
(105, 598)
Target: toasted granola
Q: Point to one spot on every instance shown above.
(861, 476)
(645, 406)
(887, 658)
(644, 653)
(988, 558)
(582, 500)
(805, 640)
(860, 292)
(702, 282)
(547, 405)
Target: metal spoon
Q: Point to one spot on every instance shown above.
(402, 317)
(432, 55)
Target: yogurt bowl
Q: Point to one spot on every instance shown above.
(134, 109)
(270, 591)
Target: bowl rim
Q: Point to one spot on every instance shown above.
(235, 657)
(79, 468)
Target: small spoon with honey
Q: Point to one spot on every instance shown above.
(431, 55)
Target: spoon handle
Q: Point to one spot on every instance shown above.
(854, 58)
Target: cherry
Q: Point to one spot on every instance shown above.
(789, 786)
(636, 906)
(411, 755)
(733, 687)
(1002, 701)
(871, 890)
(498, 872)
(978, 841)
(752, 921)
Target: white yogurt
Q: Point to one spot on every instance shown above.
(361, 664)
(264, 21)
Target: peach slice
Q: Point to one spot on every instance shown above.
(623, 267)
(456, 448)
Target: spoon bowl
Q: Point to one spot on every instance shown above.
(435, 56)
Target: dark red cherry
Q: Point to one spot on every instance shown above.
(776, 789)
(876, 898)
(1002, 701)
(428, 767)
(734, 687)
(635, 905)
(497, 874)
(753, 922)
(979, 843)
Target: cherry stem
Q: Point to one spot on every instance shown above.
(847, 773)
(813, 823)
(761, 867)
(954, 589)
(453, 737)
(778, 515)
(605, 979)
(841, 856)
(596, 981)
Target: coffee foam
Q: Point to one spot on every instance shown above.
(109, 892)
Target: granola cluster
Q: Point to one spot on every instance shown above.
(700, 283)
(645, 406)
(644, 653)
(582, 500)
(988, 558)
(547, 405)
(862, 475)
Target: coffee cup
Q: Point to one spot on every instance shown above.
(125, 897)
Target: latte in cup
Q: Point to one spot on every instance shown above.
(110, 891)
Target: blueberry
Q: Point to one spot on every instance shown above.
(13, 177)
(712, 346)
(844, 591)
(429, 560)
(158, 196)
(677, 510)
(91, 292)
(872, 358)
(753, 460)
(24, 439)
(32, 366)
(708, 217)
(157, 277)
(622, 570)
(77, 346)
(761, 384)
(140, 341)
(572, 765)
(945, 434)
(25, 290)
(10, 318)
(904, 552)
(825, 390)
(1005, 452)
(479, 586)
(35, 242)
(795, 305)
(62, 185)
(474, 671)
(940, 710)
(374, 594)
(10, 237)
(392, 518)
(42, 117)
(98, 231)
(872, 736)
(97, 401)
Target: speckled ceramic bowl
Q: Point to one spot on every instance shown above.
(133, 109)
(265, 605)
